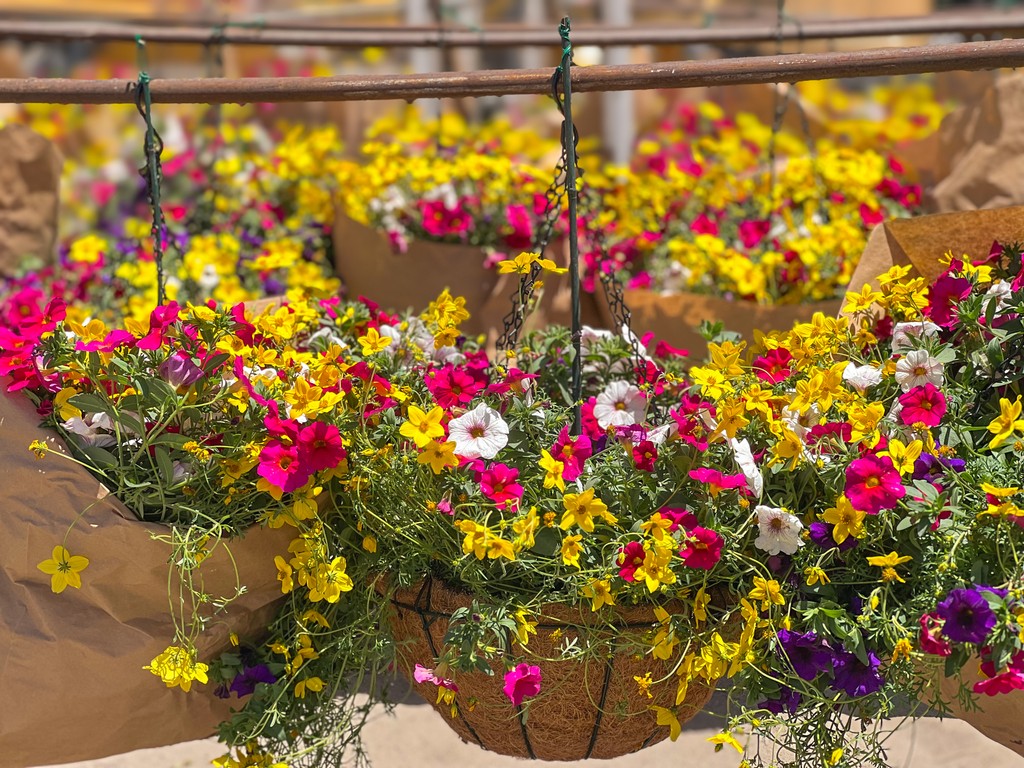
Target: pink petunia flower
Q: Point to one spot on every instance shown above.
(873, 484)
(423, 674)
(923, 405)
(522, 682)
(931, 639)
(452, 386)
(774, 366)
(944, 297)
(680, 517)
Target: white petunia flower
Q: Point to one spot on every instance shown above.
(745, 460)
(779, 530)
(801, 423)
(917, 368)
(92, 429)
(620, 404)
(1000, 293)
(479, 433)
(904, 333)
(861, 377)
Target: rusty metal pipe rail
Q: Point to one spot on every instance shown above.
(790, 68)
(988, 24)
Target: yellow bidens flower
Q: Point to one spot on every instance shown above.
(846, 520)
(582, 508)
(1006, 423)
(373, 342)
(523, 265)
(888, 565)
(63, 568)
(177, 667)
(422, 427)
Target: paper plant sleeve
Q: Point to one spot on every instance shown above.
(923, 240)
(997, 717)
(71, 677)
(675, 317)
(368, 266)
(981, 152)
(29, 197)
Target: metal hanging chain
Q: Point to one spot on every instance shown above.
(522, 299)
(152, 172)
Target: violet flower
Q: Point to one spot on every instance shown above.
(806, 652)
(245, 682)
(855, 678)
(967, 616)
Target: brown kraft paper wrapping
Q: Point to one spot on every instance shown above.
(368, 266)
(999, 717)
(71, 677)
(980, 158)
(922, 241)
(675, 317)
(29, 198)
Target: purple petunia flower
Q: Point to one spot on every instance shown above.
(788, 700)
(932, 468)
(808, 655)
(855, 678)
(821, 534)
(245, 681)
(967, 615)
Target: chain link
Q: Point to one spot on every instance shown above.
(152, 172)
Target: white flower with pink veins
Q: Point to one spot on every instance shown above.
(778, 530)
(479, 433)
(620, 405)
(917, 368)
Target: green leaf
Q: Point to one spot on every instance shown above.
(163, 461)
(90, 403)
(100, 457)
(172, 439)
(547, 542)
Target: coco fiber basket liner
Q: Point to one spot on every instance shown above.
(586, 709)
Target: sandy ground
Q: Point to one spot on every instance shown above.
(415, 737)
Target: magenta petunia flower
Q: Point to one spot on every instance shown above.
(320, 446)
(498, 483)
(159, 319)
(280, 466)
(522, 682)
(703, 548)
(925, 405)
(873, 484)
(452, 386)
(572, 452)
(716, 482)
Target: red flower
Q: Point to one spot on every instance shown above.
(679, 517)
(931, 639)
(773, 366)
(645, 454)
(873, 484)
(703, 549)
(631, 557)
(945, 294)
(753, 232)
(923, 405)
(452, 386)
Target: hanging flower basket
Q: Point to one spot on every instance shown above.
(369, 266)
(591, 709)
(675, 317)
(92, 643)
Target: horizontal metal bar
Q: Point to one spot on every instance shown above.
(789, 68)
(990, 24)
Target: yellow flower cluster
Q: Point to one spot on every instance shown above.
(177, 667)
